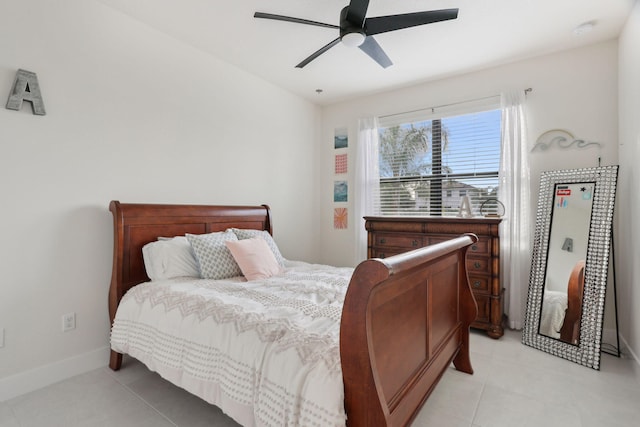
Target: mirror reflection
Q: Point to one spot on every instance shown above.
(564, 280)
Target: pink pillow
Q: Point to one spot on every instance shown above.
(255, 258)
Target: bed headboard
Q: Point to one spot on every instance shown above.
(135, 225)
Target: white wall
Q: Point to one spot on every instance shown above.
(136, 116)
(574, 90)
(628, 202)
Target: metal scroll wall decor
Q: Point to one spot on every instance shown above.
(570, 263)
(561, 139)
(26, 88)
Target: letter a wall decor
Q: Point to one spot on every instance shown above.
(26, 88)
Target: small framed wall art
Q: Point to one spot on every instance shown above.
(341, 164)
(340, 191)
(340, 216)
(340, 138)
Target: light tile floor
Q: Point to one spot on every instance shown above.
(513, 385)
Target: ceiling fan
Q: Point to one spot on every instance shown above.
(358, 30)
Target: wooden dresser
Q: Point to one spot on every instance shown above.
(392, 235)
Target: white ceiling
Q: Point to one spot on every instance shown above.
(486, 33)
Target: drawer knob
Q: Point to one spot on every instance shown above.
(474, 247)
(382, 256)
(383, 241)
(477, 264)
(476, 284)
(414, 243)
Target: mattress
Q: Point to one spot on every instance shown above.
(266, 352)
(553, 311)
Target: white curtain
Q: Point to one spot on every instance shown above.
(367, 181)
(515, 229)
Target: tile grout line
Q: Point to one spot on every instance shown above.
(475, 411)
(15, 416)
(126, 387)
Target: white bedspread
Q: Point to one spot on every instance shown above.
(552, 314)
(266, 352)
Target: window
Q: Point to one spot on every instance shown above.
(430, 159)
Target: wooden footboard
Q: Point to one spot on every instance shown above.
(405, 319)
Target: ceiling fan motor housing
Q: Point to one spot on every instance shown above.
(347, 28)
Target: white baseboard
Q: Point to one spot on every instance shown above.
(609, 337)
(628, 353)
(25, 382)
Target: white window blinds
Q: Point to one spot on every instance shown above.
(430, 159)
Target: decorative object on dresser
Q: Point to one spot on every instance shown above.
(388, 236)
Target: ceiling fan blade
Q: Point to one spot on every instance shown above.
(383, 24)
(291, 19)
(357, 12)
(373, 49)
(318, 53)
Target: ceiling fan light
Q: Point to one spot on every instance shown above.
(354, 39)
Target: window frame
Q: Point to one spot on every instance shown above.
(438, 193)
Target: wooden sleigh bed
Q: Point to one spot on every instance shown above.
(405, 319)
(570, 331)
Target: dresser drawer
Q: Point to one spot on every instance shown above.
(409, 241)
(479, 283)
(432, 240)
(478, 265)
(386, 253)
(481, 247)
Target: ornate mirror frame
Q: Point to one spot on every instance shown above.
(587, 351)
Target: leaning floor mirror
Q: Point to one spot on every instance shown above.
(570, 263)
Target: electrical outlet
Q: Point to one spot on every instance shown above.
(1, 337)
(68, 322)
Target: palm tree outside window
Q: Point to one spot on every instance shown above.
(427, 165)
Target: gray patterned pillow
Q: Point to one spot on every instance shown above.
(248, 234)
(214, 258)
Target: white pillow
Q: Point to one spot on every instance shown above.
(248, 234)
(255, 258)
(169, 258)
(214, 258)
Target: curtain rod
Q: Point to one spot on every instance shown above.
(526, 92)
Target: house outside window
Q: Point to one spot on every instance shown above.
(429, 160)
